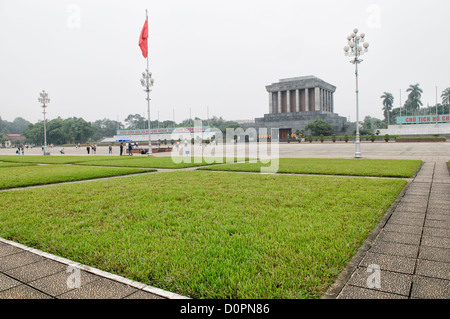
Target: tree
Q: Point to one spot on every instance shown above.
(17, 126)
(370, 125)
(59, 131)
(388, 101)
(413, 102)
(414, 91)
(105, 128)
(135, 122)
(319, 127)
(446, 96)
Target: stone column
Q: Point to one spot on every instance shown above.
(317, 99)
(279, 102)
(297, 100)
(271, 110)
(306, 100)
(329, 101)
(332, 102)
(288, 101)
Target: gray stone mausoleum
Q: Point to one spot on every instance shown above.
(296, 102)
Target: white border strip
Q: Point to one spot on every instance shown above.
(95, 271)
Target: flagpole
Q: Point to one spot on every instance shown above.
(150, 153)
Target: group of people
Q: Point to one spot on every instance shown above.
(20, 150)
(129, 148)
(91, 147)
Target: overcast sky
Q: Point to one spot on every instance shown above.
(216, 54)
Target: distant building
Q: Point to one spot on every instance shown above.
(183, 133)
(296, 102)
(420, 125)
(12, 139)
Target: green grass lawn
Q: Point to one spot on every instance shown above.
(53, 159)
(12, 164)
(322, 166)
(154, 162)
(23, 175)
(206, 234)
(116, 161)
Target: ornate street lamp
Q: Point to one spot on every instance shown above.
(147, 83)
(355, 50)
(43, 98)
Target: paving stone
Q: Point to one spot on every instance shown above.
(22, 292)
(406, 220)
(435, 269)
(410, 229)
(390, 282)
(390, 263)
(418, 191)
(405, 238)
(434, 253)
(439, 212)
(7, 282)
(6, 250)
(57, 284)
(430, 288)
(100, 289)
(441, 188)
(18, 260)
(396, 249)
(437, 232)
(442, 217)
(432, 241)
(410, 210)
(415, 197)
(36, 270)
(439, 208)
(398, 214)
(352, 292)
(423, 202)
(439, 200)
(143, 295)
(437, 223)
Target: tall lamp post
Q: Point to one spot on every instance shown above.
(147, 83)
(355, 50)
(43, 98)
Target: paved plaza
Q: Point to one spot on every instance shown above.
(408, 253)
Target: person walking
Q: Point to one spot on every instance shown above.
(88, 149)
(130, 149)
(121, 149)
(110, 149)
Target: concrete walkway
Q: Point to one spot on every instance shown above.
(27, 273)
(409, 256)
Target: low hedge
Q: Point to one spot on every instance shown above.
(422, 139)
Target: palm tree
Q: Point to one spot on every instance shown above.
(446, 96)
(415, 94)
(415, 104)
(388, 101)
(414, 91)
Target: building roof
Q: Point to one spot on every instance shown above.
(301, 82)
(14, 137)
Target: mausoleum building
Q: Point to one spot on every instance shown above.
(295, 102)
